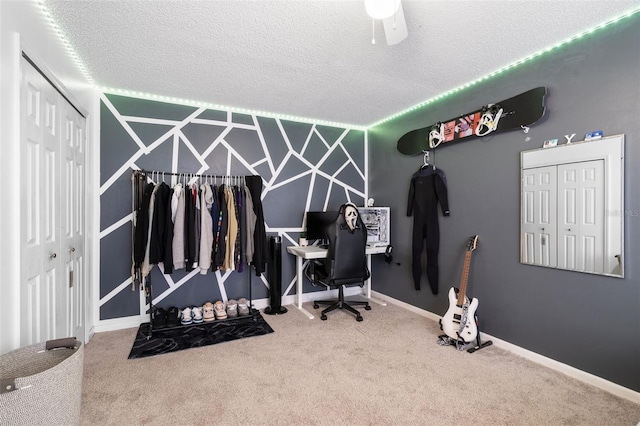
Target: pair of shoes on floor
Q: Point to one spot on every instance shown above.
(161, 318)
(190, 315)
(214, 311)
(237, 307)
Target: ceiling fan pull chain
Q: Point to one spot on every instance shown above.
(373, 31)
(394, 16)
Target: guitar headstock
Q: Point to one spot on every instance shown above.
(473, 243)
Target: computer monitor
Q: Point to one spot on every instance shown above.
(317, 222)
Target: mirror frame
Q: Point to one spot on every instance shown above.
(609, 149)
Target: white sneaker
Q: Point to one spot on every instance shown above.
(232, 308)
(208, 314)
(196, 312)
(218, 308)
(186, 316)
(243, 307)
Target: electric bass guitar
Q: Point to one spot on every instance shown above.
(459, 323)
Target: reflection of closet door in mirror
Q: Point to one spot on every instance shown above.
(572, 209)
(581, 216)
(539, 216)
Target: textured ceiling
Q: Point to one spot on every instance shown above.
(312, 59)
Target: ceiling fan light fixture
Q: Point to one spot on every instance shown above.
(381, 9)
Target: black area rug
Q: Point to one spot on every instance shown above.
(166, 340)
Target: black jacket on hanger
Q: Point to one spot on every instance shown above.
(221, 228)
(167, 241)
(159, 224)
(261, 253)
(189, 229)
(142, 225)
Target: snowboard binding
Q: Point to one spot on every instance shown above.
(436, 135)
(489, 120)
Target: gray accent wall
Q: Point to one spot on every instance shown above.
(303, 167)
(586, 321)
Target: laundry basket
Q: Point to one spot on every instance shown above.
(42, 384)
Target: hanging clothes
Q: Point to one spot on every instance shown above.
(260, 254)
(146, 264)
(221, 231)
(427, 188)
(189, 230)
(215, 219)
(249, 227)
(159, 223)
(177, 213)
(232, 230)
(190, 226)
(206, 236)
(167, 257)
(240, 238)
(141, 230)
(197, 222)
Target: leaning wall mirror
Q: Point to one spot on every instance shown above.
(572, 205)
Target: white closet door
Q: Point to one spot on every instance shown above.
(539, 220)
(580, 216)
(72, 214)
(52, 219)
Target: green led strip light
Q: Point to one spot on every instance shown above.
(72, 53)
(506, 68)
(432, 100)
(160, 98)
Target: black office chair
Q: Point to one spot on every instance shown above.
(346, 261)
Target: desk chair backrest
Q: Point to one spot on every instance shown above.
(346, 257)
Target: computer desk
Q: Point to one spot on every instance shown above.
(303, 253)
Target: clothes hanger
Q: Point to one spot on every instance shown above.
(425, 160)
(425, 163)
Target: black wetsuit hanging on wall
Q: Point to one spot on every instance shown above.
(428, 188)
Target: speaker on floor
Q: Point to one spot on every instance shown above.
(274, 276)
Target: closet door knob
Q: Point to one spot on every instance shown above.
(72, 249)
(53, 256)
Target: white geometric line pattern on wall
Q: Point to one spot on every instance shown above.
(303, 166)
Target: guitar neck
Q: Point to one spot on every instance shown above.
(463, 280)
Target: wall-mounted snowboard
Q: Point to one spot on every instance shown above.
(521, 110)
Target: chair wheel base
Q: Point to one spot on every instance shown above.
(340, 304)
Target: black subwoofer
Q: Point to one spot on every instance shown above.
(274, 276)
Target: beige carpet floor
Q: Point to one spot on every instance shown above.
(386, 370)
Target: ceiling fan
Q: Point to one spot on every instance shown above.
(392, 16)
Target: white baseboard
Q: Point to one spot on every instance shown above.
(568, 370)
(120, 323)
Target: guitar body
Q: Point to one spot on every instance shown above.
(451, 321)
(459, 322)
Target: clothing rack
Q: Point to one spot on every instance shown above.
(186, 178)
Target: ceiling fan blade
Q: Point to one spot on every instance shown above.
(395, 27)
